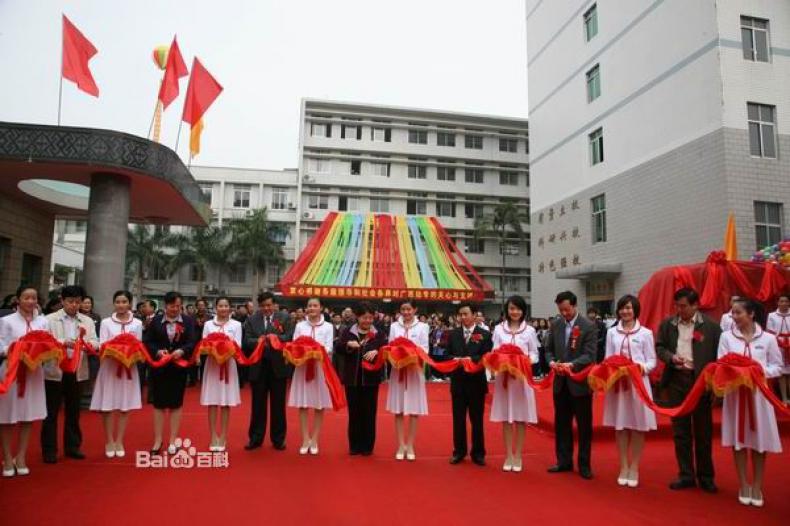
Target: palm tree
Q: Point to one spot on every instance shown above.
(253, 242)
(505, 221)
(201, 247)
(144, 253)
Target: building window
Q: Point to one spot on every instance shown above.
(596, 146)
(473, 211)
(474, 246)
(418, 136)
(594, 83)
(279, 198)
(241, 196)
(474, 175)
(275, 273)
(445, 139)
(318, 202)
(445, 173)
(237, 273)
(508, 145)
(355, 168)
(379, 204)
(206, 191)
(381, 169)
(351, 131)
(598, 205)
(320, 129)
(591, 22)
(319, 166)
(158, 271)
(417, 171)
(767, 223)
(379, 134)
(754, 38)
(415, 205)
(508, 178)
(512, 283)
(347, 204)
(279, 235)
(762, 130)
(474, 142)
(75, 227)
(510, 248)
(445, 205)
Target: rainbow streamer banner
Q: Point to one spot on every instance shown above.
(379, 256)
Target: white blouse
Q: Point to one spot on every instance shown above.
(764, 349)
(778, 323)
(14, 326)
(637, 344)
(231, 327)
(323, 333)
(112, 327)
(526, 338)
(418, 333)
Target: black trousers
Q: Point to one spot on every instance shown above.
(66, 392)
(566, 408)
(693, 433)
(362, 405)
(468, 397)
(268, 406)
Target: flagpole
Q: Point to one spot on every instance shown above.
(178, 137)
(153, 117)
(60, 88)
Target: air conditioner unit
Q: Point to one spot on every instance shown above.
(291, 206)
(307, 215)
(307, 178)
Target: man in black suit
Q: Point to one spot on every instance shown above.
(686, 343)
(268, 377)
(468, 342)
(571, 346)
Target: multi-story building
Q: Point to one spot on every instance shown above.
(367, 158)
(651, 121)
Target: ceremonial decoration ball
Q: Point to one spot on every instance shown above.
(160, 56)
(778, 253)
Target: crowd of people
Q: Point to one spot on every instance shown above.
(352, 339)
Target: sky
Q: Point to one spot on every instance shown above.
(457, 55)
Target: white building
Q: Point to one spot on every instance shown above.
(367, 158)
(651, 120)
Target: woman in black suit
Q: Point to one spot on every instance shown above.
(170, 333)
(361, 342)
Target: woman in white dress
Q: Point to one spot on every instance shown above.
(220, 385)
(312, 394)
(623, 409)
(16, 410)
(514, 398)
(779, 325)
(406, 391)
(759, 433)
(117, 391)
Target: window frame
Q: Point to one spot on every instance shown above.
(598, 218)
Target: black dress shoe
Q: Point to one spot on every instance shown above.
(682, 484)
(252, 445)
(480, 461)
(50, 458)
(456, 459)
(279, 447)
(156, 450)
(76, 454)
(353, 452)
(559, 469)
(585, 473)
(366, 453)
(708, 486)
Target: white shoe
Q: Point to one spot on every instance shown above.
(517, 466)
(212, 448)
(220, 449)
(109, 451)
(622, 481)
(633, 482)
(401, 454)
(757, 503)
(314, 448)
(304, 449)
(508, 466)
(119, 451)
(747, 499)
(9, 472)
(410, 456)
(22, 471)
(171, 449)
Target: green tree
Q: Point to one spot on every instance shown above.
(253, 242)
(145, 252)
(504, 223)
(201, 247)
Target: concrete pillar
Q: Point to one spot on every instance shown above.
(105, 245)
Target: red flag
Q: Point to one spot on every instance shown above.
(77, 51)
(174, 70)
(201, 92)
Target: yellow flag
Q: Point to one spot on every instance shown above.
(731, 239)
(194, 138)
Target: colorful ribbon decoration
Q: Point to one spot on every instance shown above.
(306, 351)
(31, 350)
(509, 360)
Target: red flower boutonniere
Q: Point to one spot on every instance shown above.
(575, 333)
(179, 331)
(477, 338)
(697, 336)
(278, 327)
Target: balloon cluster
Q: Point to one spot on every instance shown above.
(779, 253)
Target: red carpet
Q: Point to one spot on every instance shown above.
(268, 487)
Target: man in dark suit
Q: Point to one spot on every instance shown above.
(686, 343)
(268, 377)
(571, 346)
(468, 391)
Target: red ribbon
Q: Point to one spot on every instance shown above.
(29, 352)
(120, 369)
(224, 372)
(21, 382)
